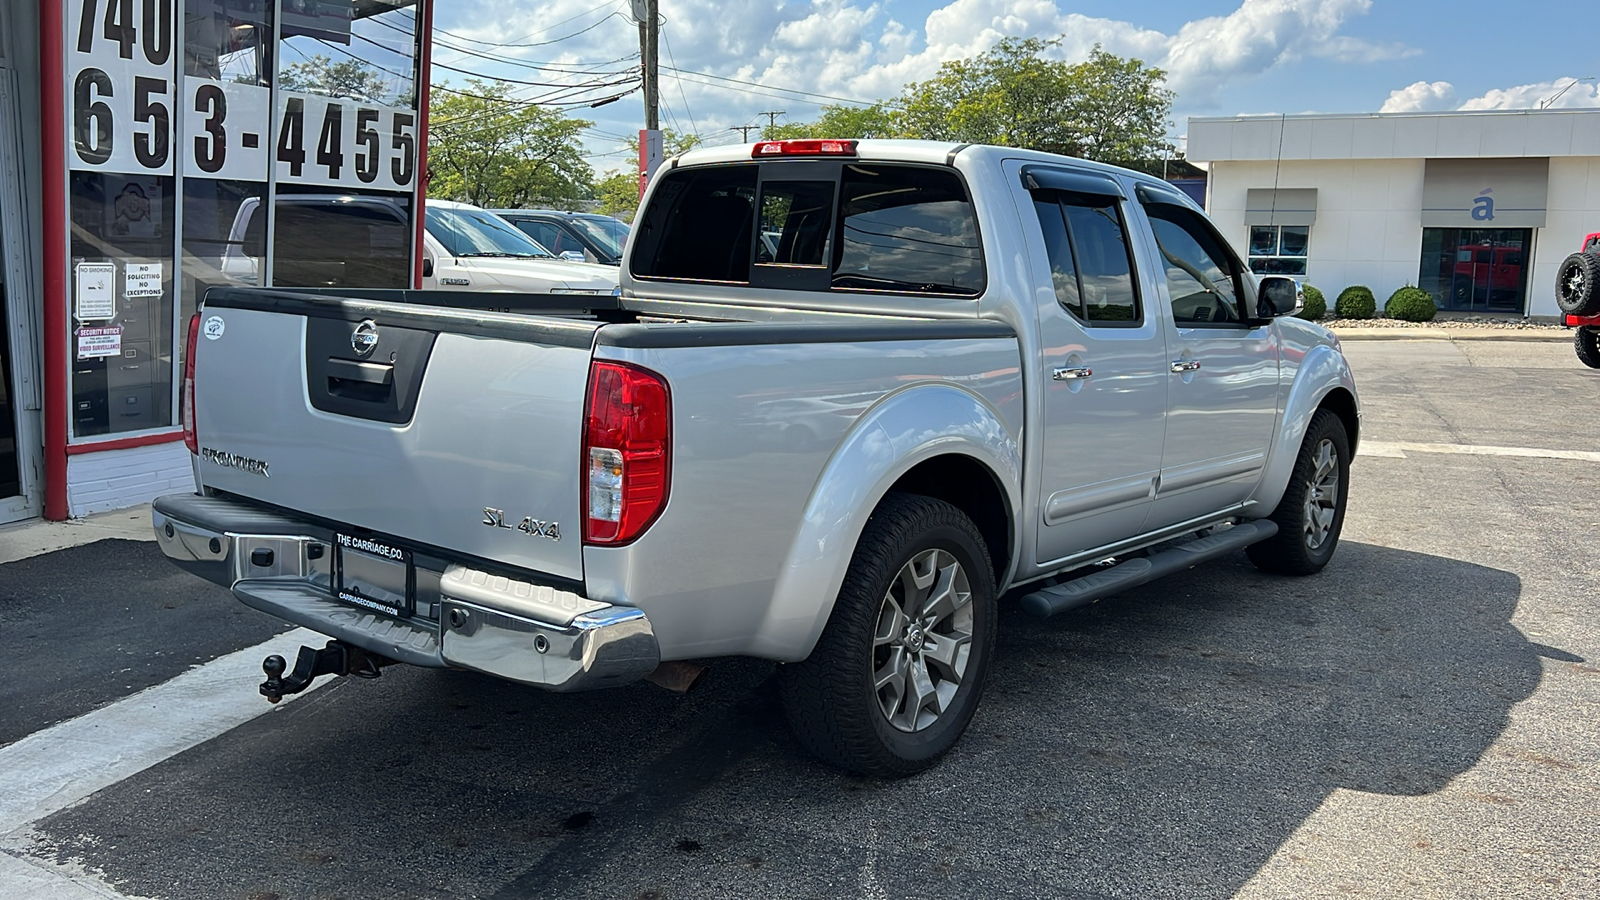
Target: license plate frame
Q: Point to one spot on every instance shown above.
(375, 575)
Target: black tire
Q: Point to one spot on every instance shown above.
(1306, 538)
(1587, 343)
(1578, 285)
(830, 698)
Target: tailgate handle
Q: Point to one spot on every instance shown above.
(364, 372)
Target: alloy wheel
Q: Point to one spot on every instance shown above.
(1322, 495)
(923, 640)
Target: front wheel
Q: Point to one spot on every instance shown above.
(896, 675)
(1311, 513)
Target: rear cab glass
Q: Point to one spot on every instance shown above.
(821, 226)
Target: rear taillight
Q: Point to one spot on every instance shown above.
(804, 147)
(627, 452)
(190, 439)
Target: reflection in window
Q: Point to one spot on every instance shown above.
(907, 229)
(361, 50)
(1279, 249)
(1200, 276)
(698, 225)
(228, 40)
(1089, 260)
(339, 240)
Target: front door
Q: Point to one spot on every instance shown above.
(1222, 373)
(1103, 365)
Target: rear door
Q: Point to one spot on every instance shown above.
(1103, 363)
(1222, 372)
(424, 425)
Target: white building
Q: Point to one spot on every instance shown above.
(1478, 208)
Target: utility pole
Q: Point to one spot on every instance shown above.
(648, 14)
(772, 116)
(744, 131)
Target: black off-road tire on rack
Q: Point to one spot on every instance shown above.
(1587, 344)
(1578, 284)
(840, 700)
(1311, 514)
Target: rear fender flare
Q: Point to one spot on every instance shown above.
(902, 430)
(1323, 371)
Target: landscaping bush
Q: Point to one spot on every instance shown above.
(1411, 304)
(1316, 306)
(1355, 302)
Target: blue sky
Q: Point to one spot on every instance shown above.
(1223, 58)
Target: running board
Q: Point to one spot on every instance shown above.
(1089, 588)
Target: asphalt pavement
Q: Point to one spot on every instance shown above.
(1420, 720)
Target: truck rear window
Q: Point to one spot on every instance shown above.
(857, 226)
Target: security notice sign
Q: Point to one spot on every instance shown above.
(120, 68)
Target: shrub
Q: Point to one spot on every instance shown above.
(1316, 306)
(1411, 304)
(1355, 302)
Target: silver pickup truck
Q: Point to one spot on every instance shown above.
(852, 393)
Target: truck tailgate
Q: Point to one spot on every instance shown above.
(412, 422)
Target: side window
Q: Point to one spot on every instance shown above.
(906, 228)
(543, 233)
(1201, 277)
(1090, 265)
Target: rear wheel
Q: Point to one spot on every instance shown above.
(1578, 285)
(897, 673)
(1311, 513)
(1587, 343)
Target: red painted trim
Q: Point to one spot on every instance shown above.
(424, 95)
(144, 440)
(53, 150)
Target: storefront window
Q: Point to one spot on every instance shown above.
(181, 141)
(1476, 269)
(1279, 249)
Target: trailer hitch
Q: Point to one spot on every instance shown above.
(337, 658)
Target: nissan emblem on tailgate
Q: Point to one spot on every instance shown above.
(364, 338)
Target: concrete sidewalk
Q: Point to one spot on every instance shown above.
(36, 536)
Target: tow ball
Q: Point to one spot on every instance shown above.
(337, 658)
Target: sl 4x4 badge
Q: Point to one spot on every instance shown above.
(495, 518)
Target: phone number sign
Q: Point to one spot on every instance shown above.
(126, 100)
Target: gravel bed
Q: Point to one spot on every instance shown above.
(1508, 323)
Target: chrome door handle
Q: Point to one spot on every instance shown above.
(1185, 365)
(1072, 373)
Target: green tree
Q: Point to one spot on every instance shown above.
(1107, 108)
(618, 193)
(875, 121)
(490, 151)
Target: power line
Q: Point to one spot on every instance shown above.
(539, 32)
(772, 116)
(681, 93)
(744, 130)
(771, 88)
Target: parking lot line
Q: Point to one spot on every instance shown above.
(52, 769)
(1399, 449)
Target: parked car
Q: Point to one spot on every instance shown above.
(467, 248)
(966, 369)
(579, 236)
(322, 240)
(1578, 297)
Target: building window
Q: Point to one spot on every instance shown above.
(1279, 249)
(1476, 269)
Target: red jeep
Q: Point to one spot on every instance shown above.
(1578, 296)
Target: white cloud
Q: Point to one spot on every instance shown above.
(1529, 96)
(1423, 96)
(847, 48)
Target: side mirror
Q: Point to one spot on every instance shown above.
(573, 255)
(1278, 296)
(427, 267)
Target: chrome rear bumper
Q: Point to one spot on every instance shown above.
(517, 630)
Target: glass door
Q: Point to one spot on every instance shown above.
(1476, 269)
